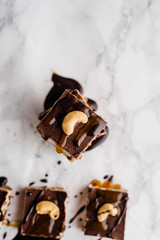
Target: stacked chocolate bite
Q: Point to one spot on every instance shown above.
(5, 196)
(71, 123)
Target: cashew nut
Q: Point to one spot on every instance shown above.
(47, 207)
(106, 210)
(71, 119)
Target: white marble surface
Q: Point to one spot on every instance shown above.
(113, 48)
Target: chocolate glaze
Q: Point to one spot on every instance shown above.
(78, 212)
(99, 140)
(60, 85)
(110, 178)
(92, 104)
(3, 181)
(120, 219)
(113, 226)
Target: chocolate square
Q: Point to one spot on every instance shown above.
(113, 226)
(5, 196)
(75, 144)
(43, 226)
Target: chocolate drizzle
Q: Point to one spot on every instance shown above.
(92, 104)
(78, 212)
(99, 140)
(91, 128)
(4, 235)
(60, 85)
(117, 223)
(44, 180)
(3, 181)
(36, 200)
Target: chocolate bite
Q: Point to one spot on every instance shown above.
(74, 144)
(44, 213)
(106, 211)
(5, 196)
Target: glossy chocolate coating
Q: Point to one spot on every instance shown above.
(3, 181)
(99, 140)
(60, 85)
(111, 227)
(92, 104)
(36, 225)
(83, 135)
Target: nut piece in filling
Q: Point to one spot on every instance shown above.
(5, 196)
(44, 213)
(71, 125)
(106, 210)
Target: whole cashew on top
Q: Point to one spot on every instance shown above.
(47, 207)
(106, 210)
(71, 119)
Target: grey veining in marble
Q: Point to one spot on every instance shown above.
(113, 49)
